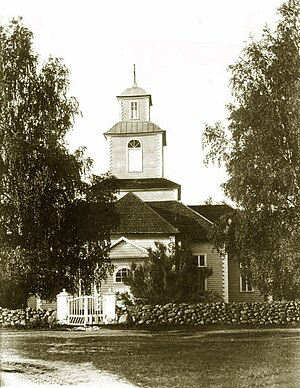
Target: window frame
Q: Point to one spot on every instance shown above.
(199, 260)
(245, 285)
(141, 161)
(116, 273)
(198, 256)
(134, 113)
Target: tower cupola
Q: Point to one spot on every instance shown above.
(135, 103)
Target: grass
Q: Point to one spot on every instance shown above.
(165, 359)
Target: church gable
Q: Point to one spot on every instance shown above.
(124, 248)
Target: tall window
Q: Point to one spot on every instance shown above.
(122, 274)
(134, 110)
(135, 156)
(201, 264)
(245, 279)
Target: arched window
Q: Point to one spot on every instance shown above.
(135, 156)
(121, 274)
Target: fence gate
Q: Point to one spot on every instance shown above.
(84, 310)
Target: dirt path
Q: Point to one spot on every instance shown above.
(26, 373)
(31, 358)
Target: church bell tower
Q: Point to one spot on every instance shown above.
(136, 148)
(136, 144)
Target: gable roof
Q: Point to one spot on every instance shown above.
(129, 242)
(146, 183)
(212, 212)
(125, 248)
(183, 218)
(135, 216)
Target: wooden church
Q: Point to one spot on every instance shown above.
(150, 207)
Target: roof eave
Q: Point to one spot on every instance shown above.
(129, 96)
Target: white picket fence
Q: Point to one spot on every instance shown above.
(84, 310)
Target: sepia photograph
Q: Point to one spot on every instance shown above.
(149, 194)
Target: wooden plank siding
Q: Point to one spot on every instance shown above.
(110, 284)
(235, 294)
(35, 302)
(213, 260)
(143, 108)
(152, 155)
(123, 255)
(125, 250)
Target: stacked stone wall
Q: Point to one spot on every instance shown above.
(256, 314)
(276, 313)
(27, 318)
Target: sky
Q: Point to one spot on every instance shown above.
(181, 49)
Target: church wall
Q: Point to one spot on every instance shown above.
(125, 250)
(110, 284)
(215, 281)
(123, 257)
(152, 156)
(143, 108)
(235, 294)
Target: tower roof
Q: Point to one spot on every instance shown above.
(136, 127)
(135, 91)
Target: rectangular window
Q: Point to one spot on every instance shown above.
(245, 280)
(134, 110)
(135, 160)
(200, 260)
(201, 263)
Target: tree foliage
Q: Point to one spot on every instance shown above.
(168, 274)
(45, 205)
(262, 157)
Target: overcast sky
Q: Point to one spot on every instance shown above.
(181, 50)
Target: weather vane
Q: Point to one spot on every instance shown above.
(134, 76)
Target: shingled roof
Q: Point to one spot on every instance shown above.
(212, 212)
(136, 216)
(183, 218)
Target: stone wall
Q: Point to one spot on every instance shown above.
(276, 313)
(257, 314)
(27, 318)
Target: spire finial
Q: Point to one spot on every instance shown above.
(134, 77)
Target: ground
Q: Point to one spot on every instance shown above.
(161, 359)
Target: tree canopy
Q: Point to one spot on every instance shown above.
(168, 274)
(261, 152)
(45, 204)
